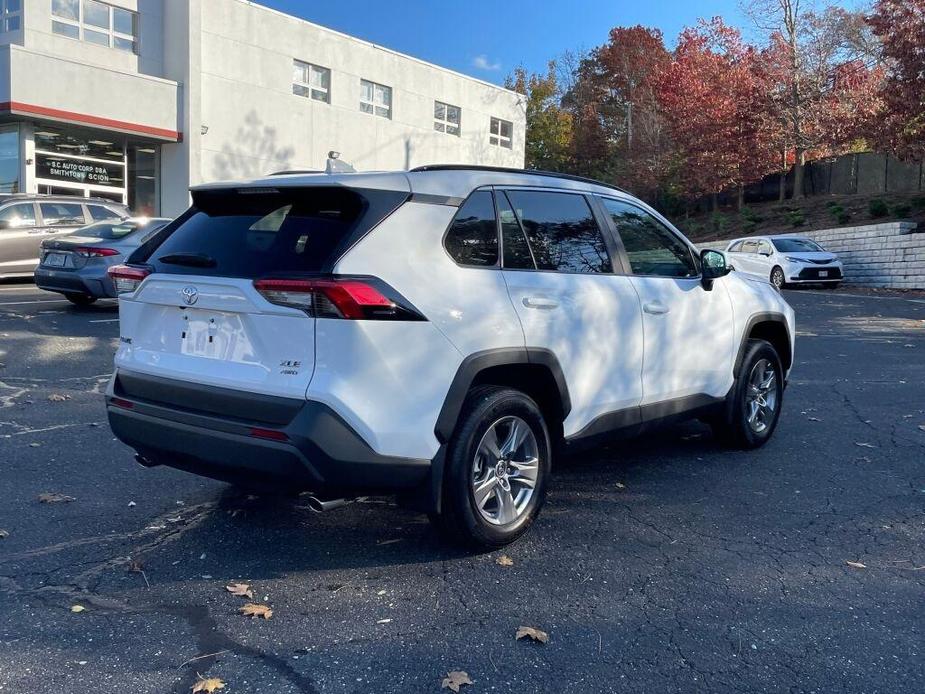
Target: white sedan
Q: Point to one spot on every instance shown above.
(784, 260)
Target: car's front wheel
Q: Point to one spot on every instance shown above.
(80, 299)
(777, 277)
(752, 408)
(496, 469)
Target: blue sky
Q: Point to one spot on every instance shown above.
(489, 39)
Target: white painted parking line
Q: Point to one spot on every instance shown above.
(42, 301)
(105, 320)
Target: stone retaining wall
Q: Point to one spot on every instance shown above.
(877, 255)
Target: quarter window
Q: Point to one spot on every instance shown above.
(561, 230)
(650, 247)
(473, 236)
(61, 214)
(17, 216)
(501, 133)
(736, 247)
(446, 118)
(311, 81)
(375, 99)
(95, 22)
(10, 15)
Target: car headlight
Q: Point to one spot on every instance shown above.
(794, 260)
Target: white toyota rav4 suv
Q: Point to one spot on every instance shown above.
(439, 334)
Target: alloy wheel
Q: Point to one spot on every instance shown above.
(761, 396)
(505, 471)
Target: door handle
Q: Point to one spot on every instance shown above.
(656, 308)
(540, 302)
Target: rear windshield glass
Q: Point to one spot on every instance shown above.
(114, 230)
(258, 232)
(796, 246)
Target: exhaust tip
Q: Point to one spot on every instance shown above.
(320, 506)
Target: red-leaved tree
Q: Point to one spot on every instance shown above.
(900, 25)
(714, 98)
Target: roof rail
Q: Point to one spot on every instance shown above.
(527, 172)
(292, 172)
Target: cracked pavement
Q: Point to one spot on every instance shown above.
(709, 570)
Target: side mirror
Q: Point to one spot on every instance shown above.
(713, 265)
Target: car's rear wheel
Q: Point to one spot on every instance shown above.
(80, 299)
(496, 469)
(752, 408)
(777, 277)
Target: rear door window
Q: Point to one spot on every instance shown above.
(62, 214)
(517, 254)
(259, 232)
(562, 232)
(472, 238)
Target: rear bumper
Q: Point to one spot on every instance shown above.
(96, 284)
(212, 433)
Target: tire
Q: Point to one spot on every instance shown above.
(832, 285)
(80, 299)
(486, 423)
(777, 277)
(734, 426)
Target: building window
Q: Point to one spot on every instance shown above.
(311, 81)
(501, 133)
(375, 99)
(446, 118)
(9, 159)
(95, 22)
(10, 15)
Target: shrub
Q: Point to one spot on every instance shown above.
(832, 204)
(876, 208)
(796, 218)
(840, 214)
(750, 216)
(903, 209)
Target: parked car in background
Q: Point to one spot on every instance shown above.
(26, 220)
(785, 259)
(434, 333)
(76, 264)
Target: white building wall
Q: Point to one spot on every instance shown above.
(256, 125)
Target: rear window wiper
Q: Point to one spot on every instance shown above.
(188, 259)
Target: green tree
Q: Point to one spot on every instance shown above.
(549, 126)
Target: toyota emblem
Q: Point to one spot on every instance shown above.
(190, 295)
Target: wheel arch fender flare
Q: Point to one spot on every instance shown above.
(757, 319)
(479, 362)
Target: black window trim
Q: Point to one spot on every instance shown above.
(604, 229)
(667, 225)
(494, 203)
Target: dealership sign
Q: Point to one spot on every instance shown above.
(79, 171)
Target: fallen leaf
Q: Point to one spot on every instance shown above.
(207, 685)
(34, 445)
(455, 679)
(620, 485)
(3, 533)
(136, 566)
(533, 633)
(922, 427)
(132, 504)
(55, 498)
(856, 564)
(814, 419)
(864, 445)
(255, 610)
(383, 621)
(77, 608)
(241, 590)
(504, 560)
(54, 397)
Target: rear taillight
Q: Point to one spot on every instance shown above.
(127, 278)
(351, 298)
(92, 252)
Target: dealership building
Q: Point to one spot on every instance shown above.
(136, 100)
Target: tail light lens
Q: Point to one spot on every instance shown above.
(350, 298)
(91, 252)
(127, 278)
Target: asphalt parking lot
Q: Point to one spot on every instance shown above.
(666, 564)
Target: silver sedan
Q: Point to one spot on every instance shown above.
(75, 264)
